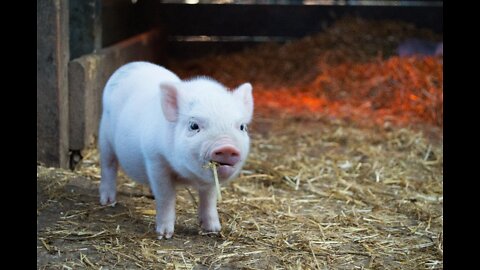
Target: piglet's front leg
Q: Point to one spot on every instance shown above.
(207, 211)
(163, 189)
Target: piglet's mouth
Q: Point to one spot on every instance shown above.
(223, 163)
(224, 169)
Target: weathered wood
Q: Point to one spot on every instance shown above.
(52, 82)
(89, 74)
(85, 27)
(83, 101)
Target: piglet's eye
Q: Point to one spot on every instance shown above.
(193, 126)
(243, 127)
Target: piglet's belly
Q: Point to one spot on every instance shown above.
(132, 164)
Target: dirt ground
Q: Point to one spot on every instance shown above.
(314, 195)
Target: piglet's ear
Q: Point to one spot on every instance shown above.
(244, 94)
(169, 95)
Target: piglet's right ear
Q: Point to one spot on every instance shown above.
(169, 95)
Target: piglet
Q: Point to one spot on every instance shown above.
(163, 131)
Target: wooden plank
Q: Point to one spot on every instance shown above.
(89, 75)
(187, 50)
(52, 82)
(83, 101)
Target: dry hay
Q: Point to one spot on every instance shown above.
(313, 195)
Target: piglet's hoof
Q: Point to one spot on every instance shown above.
(164, 231)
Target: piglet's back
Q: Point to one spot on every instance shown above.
(131, 78)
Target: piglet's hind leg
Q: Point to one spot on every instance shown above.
(109, 167)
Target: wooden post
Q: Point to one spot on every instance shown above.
(84, 101)
(52, 82)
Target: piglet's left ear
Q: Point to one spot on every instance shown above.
(244, 94)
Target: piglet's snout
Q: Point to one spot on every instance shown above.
(225, 155)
